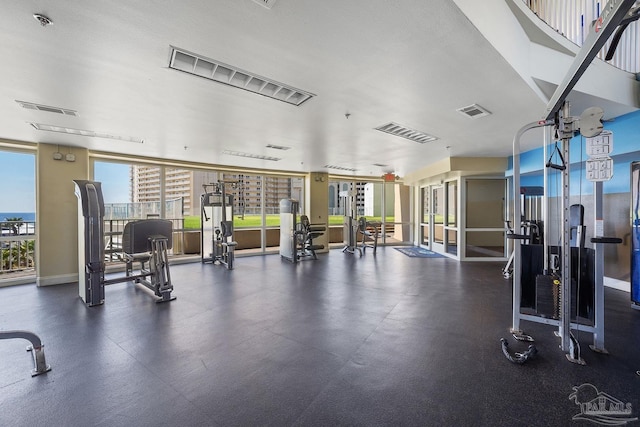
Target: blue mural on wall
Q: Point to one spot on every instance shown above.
(626, 149)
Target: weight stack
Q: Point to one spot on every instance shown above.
(548, 296)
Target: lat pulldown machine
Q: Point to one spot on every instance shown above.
(143, 241)
(216, 223)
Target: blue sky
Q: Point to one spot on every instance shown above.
(19, 182)
(115, 181)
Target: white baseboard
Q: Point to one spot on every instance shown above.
(57, 280)
(620, 285)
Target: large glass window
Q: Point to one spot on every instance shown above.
(17, 214)
(386, 204)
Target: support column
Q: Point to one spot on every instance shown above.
(57, 213)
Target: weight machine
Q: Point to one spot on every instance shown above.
(216, 223)
(143, 241)
(552, 286)
(589, 124)
(350, 224)
(296, 238)
(531, 224)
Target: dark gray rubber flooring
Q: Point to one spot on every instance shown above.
(377, 340)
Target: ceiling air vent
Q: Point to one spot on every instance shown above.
(47, 108)
(404, 132)
(340, 168)
(220, 72)
(474, 111)
(380, 165)
(81, 132)
(266, 3)
(250, 155)
(278, 147)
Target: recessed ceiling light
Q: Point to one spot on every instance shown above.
(404, 132)
(81, 132)
(47, 108)
(474, 111)
(220, 72)
(250, 155)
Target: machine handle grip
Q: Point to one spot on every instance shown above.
(556, 167)
(615, 240)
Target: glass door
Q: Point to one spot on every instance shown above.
(437, 220)
(425, 217)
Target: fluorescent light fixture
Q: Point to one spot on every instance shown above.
(340, 168)
(474, 111)
(47, 108)
(81, 132)
(250, 155)
(404, 132)
(220, 72)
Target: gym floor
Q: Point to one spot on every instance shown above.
(377, 340)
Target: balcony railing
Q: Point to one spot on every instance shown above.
(17, 247)
(573, 20)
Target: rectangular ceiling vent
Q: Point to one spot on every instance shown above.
(266, 3)
(250, 155)
(220, 72)
(381, 165)
(278, 147)
(81, 132)
(340, 168)
(47, 108)
(474, 111)
(404, 132)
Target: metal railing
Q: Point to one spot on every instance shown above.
(17, 247)
(573, 20)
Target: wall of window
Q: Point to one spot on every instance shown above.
(388, 204)
(153, 191)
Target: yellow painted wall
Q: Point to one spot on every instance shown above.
(57, 213)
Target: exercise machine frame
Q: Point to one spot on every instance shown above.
(142, 241)
(296, 237)
(221, 205)
(36, 348)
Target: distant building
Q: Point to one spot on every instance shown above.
(187, 186)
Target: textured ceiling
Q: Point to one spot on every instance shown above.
(413, 62)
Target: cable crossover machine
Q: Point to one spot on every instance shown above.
(565, 288)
